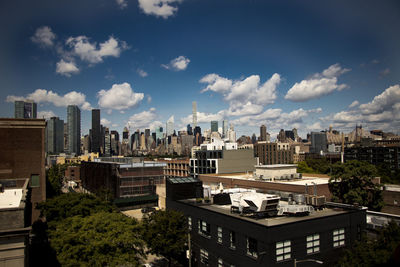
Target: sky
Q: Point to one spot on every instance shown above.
(286, 64)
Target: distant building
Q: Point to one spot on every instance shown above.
(263, 133)
(214, 126)
(23, 155)
(377, 155)
(176, 167)
(224, 128)
(107, 143)
(274, 153)
(96, 131)
(170, 126)
(319, 143)
(74, 129)
(55, 136)
(25, 109)
(115, 145)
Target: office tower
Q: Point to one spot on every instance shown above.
(231, 134)
(96, 131)
(289, 135)
(170, 126)
(107, 142)
(146, 136)
(253, 138)
(25, 109)
(159, 135)
(197, 135)
(194, 110)
(224, 128)
(319, 143)
(65, 136)
(296, 136)
(189, 129)
(55, 136)
(86, 144)
(125, 134)
(142, 141)
(74, 129)
(263, 133)
(115, 143)
(214, 126)
(281, 136)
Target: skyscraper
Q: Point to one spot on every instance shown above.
(55, 135)
(263, 133)
(214, 126)
(194, 115)
(170, 126)
(74, 129)
(159, 135)
(25, 109)
(96, 131)
(224, 128)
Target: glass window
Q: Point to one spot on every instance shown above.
(190, 223)
(35, 182)
(204, 256)
(283, 250)
(312, 243)
(252, 247)
(338, 237)
(232, 238)
(219, 234)
(204, 228)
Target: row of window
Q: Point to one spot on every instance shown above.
(282, 249)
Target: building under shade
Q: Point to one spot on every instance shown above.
(25, 110)
(74, 129)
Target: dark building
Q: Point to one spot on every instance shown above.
(115, 145)
(219, 237)
(198, 140)
(319, 142)
(274, 153)
(23, 155)
(74, 129)
(290, 134)
(189, 129)
(376, 155)
(25, 110)
(214, 126)
(123, 178)
(55, 136)
(263, 133)
(96, 131)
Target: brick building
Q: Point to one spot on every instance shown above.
(274, 153)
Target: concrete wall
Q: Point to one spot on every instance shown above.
(275, 172)
(241, 160)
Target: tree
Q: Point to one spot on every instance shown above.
(351, 183)
(379, 252)
(165, 233)
(72, 204)
(302, 167)
(101, 239)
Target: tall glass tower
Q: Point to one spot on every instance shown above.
(74, 129)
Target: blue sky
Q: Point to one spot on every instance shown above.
(285, 64)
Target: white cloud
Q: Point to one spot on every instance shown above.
(44, 37)
(354, 104)
(44, 96)
(177, 64)
(142, 73)
(66, 68)
(203, 117)
(149, 99)
(122, 3)
(105, 122)
(318, 85)
(45, 114)
(119, 97)
(216, 83)
(159, 8)
(144, 119)
(384, 72)
(91, 52)
(383, 102)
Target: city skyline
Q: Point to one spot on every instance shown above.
(287, 65)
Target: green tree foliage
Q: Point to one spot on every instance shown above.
(54, 179)
(388, 176)
(302, 167)
(101, 239)
(165, 233)
(72, 204)
(351, 183)
(379, 252)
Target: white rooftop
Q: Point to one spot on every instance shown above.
(272, 166)
(10, 198)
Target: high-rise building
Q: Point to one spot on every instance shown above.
(194, 115)
(263, 133)
(159, 135)
(74, 129)
(231, 134)
(115, 143)
(197, 135)
(55, 135)
(25, 109)
(214, 126)
(224, 128)
(107, 142)
(146, 136)
(170, 126)
(281, 136)
(189, 129)
(96, 131)
(125, 134)
(319, 142)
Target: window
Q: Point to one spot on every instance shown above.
(204, 256)
(219, 234)
(252, 247)
(220, 263)
(232, 238)
(35, 182)
(190, 223)
(338, 237)
(283, 250)
(204, 228)
(313, 243)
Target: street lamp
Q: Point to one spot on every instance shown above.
(312, 260)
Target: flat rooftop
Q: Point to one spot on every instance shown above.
(273, 221)
(10, 198)
(276, 166)
(302, 181)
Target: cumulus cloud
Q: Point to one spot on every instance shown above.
(93, 53)
(105, 122)
(320, 84)
(66, 68)
(45, 96)
(159, 8)
(45, 114)
(119, 97)
(144, 119)
(354, 104)
(383, 102)
(203, 117)
(177, 64)
(122, 3)
(44, 37)
(142, 73)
